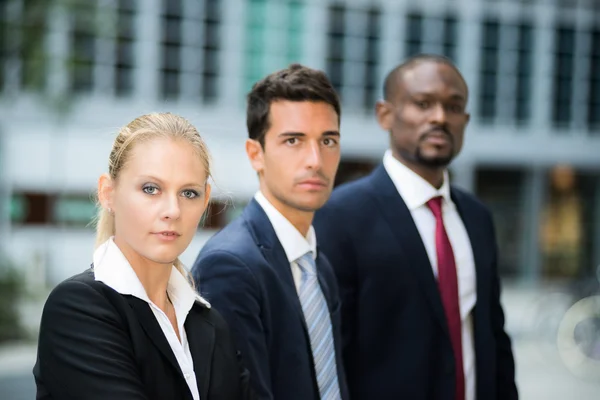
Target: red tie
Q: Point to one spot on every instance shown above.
(448, 285)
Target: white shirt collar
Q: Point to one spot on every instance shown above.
(294, 244)
(112, 268)
(414, 190)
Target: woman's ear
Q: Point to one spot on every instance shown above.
(106, 192)
(207, 195)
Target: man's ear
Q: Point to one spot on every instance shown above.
(106, 189)
(385, 115)
(255, 153)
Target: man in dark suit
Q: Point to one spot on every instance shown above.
(263, 272)
(415, 258)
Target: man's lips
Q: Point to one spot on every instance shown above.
(313, 182)
(437, 136)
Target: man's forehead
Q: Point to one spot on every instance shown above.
(429, 76)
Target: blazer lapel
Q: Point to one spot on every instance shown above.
(478, 237)
(153, 330)
(201, 337)
(407, 236)
(271, 248)
(323, 282)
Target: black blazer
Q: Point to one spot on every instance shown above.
(396, 341)
(96, 343)
(244, 272)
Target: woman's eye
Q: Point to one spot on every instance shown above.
(190, 194)
(150, 189)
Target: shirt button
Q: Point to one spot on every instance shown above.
(187, 376)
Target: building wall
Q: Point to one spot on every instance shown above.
(70, 77)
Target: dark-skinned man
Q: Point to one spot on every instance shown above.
(416, 258)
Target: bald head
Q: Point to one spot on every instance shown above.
(392, 80)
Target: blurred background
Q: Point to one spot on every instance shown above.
(73, 71)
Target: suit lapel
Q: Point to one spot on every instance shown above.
(201, 337)
(323, 282)
(153, 330)
(478, 237)
(409, 241)
(271, 248)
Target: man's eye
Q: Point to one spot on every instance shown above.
(292, 141)
(456, 108)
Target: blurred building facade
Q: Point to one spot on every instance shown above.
(73, 71)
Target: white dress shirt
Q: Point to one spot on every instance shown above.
(416, 192)
(294, 244)
(112, 268)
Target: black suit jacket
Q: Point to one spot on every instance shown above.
(396, 340)
(244, 272)
(96, 343)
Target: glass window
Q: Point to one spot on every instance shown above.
(336, 35)
(5, 32)
(488, 67)
(502, 191)
(211, 50)
(564, 59)
(371, 58)
(125, 41)
(33, 53)
(214, 216)
(414, 33)
(353, 43)
(74, 210)
(32, 208)
(18, 208)
(593, 117)
(352, 169)
(450, 36)
(255, 39)
(524, 72)
(171, 48)
(221, 212)
(567, 230)
(487, 96)
(295, 28)
(83, 45)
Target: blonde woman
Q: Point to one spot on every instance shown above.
(132, 326)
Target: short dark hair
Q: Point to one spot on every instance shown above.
(391, 80)
(294, 83)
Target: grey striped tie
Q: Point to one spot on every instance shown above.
(318, 321)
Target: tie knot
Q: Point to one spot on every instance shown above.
(307, 264)
(435, 205)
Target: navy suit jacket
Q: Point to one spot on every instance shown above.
(396, 340)
(245, 274)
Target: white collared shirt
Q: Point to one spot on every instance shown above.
(416, 192)
(294, 244)
(112, 268)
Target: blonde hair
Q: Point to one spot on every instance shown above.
(142, 129)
